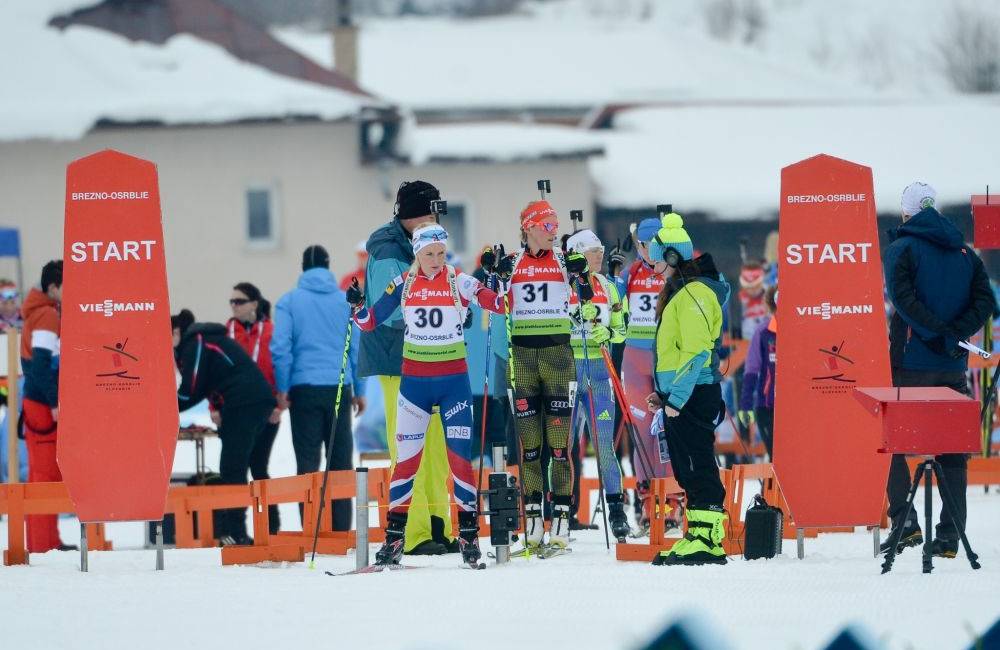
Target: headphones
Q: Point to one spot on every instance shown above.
(670, 254)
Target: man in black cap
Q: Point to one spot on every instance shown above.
(307, 349)
(390, 254)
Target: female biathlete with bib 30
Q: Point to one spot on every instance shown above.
(434, 298)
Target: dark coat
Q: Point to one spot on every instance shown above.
(216, 367)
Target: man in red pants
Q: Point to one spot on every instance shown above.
(40, 360)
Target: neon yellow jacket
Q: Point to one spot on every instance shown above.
(687, 335)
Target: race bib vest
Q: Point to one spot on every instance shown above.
(541, 297)
(603, 304)
(644, 287)
(433, 313)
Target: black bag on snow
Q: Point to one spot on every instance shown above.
(762, 532)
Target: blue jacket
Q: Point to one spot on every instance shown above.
(939, 290)
(310, 325)
(389, 255)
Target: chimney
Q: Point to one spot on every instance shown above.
(345, 42)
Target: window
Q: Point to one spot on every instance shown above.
(262, 224)
(455, 223)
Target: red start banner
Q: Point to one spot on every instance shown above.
(117, 388)
(833, 337)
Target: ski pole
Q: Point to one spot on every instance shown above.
(329, 442)
(486, 393)
(593, 423)
(627, 418)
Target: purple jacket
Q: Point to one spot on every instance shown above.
(758, 370)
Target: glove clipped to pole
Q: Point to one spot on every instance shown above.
(355, 296)
(496, 261)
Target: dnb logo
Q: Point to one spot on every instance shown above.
(835, 376)
(459, 433)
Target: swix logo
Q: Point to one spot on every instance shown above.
(826, 311)
(455, 410)
(110, 307)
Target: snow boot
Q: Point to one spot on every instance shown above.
(392, 548)
(617, 518)
(559, 532)
(534, 524)
(468, 538)
(911, 536)
(703, 542)
(946, 548)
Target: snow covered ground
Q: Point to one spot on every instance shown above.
(585, 600)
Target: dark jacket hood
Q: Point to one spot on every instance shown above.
(703, 269)
(207, 329)
(930, 225)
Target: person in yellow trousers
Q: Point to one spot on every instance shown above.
(390, 254)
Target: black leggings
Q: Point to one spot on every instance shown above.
(691, 442)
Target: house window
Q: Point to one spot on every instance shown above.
(455, 223)
(261, 218)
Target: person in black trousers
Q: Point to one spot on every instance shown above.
(941, 295)
(216, 367)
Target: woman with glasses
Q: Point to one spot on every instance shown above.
(10, 311)
(434, 298)
(251, 327)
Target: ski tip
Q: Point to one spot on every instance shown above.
(312, 566)
(330, 573)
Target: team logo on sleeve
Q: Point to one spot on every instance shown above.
(459, 433)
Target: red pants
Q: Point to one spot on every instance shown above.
(40, 435)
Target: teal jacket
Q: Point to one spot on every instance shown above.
(389, 254)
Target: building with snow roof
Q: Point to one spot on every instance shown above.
(260, 151)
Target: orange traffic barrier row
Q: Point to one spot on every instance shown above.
(18, 500)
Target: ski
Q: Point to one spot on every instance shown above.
(375, 568)
(547, 552)
(474, 566)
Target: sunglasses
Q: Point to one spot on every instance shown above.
(548, 226)
(237, 302)
(8, 294)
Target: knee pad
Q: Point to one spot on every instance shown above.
(526, 407)
(532, 455)
(558, 406)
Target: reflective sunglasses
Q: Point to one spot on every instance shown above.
(548, 226)
(433, 236)
(8, 294)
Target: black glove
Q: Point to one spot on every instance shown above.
(355, 296)
(616, 260)
(946, 345)
(488, 260)
(576, 264)
(505, 267)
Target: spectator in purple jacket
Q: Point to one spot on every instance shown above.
(757, 396)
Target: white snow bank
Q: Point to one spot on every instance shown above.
(728, 160)
(501, 142)
(573, 60)
(57, 84)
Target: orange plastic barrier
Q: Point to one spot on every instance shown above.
(292, 546)
(20, 499)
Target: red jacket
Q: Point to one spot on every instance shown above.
(257, 343)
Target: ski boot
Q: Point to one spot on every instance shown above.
(392, 548)
(468, 539)
(559, 532)
(703, 542)
(911, 536)
(617, 518)
(534, 525)
(946, 548)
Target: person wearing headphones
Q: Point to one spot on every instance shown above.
(687, 402)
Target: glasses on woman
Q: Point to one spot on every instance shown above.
(8, 294)
(238, 302)
(548, 226)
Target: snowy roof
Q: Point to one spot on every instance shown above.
(497, 142)
(559, 57)
(728, 160)
(58, 84)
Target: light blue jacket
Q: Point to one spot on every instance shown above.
(310, 326)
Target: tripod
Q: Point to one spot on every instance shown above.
(923, 472)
